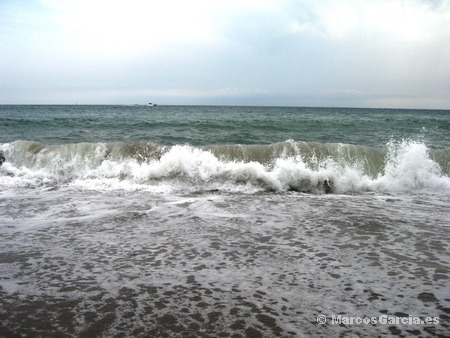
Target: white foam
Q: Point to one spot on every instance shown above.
(408, 167)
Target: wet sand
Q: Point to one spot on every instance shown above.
(221, 265)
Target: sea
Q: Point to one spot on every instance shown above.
(224, 221)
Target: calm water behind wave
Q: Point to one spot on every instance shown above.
(207, 125)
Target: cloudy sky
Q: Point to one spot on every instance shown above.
(357, 53)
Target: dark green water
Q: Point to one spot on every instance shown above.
(207, 125)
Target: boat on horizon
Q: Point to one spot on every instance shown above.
(152, 104)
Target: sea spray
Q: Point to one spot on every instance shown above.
(409, 167)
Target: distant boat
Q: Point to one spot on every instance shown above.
(152, 104)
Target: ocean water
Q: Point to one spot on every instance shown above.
(197, 221)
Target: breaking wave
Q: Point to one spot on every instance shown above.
(405, 165)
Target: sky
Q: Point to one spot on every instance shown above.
(341, 53)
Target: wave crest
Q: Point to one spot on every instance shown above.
(301, 166)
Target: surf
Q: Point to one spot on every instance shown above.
(310, 167)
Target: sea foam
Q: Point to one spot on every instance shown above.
(405, 165)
